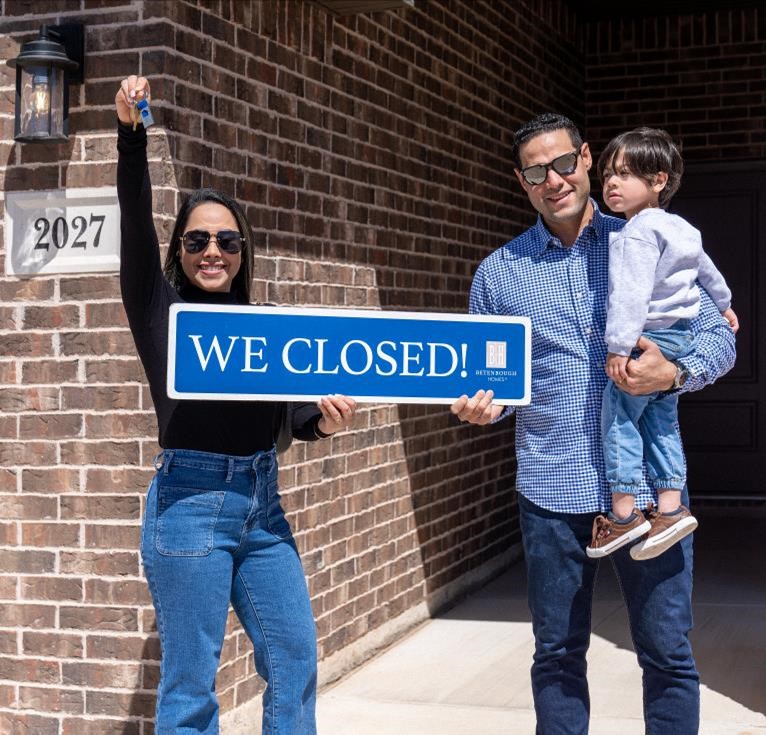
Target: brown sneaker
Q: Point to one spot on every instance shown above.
(609, 535)
(665, 531)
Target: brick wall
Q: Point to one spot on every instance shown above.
(372, 154)
(701, 76)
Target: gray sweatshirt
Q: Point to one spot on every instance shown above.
(654, 262)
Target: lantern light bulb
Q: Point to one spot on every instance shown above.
(41, 97)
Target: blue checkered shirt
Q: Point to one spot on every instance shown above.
(563, 290)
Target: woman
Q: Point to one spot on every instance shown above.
(214, 531)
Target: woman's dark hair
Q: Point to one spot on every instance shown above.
(545, 123)
(645, 153)
(240, 285)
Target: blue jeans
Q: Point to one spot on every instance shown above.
(214, 532)
(635, 429)
(657, 594)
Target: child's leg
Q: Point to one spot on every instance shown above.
(623, 505)
(669, 500)
(623, 457)
(622, 443)
(667, 469)
(663, 449)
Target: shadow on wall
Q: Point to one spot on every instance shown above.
(462, 481)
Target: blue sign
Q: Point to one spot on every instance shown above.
(290, 353)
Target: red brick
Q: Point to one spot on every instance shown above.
(89, 287)
(7, 318)
(59, 644)
(116, 704)
(121, 480)
(98, 452)
(101, 675)
(51, 699)
(26, 290)
(102, 726)
(114, 371)
(27, 506)
(28, 344)
(100, 507)
(48, 371)
(105, 315)
(27, 561)
(112, 536)
(111, 563)
(50, 426)
(29, 399)
(120, 425)
(100, 398)
(50, 480)
(122, 647)
(123, 592)
(8, 372)
(25, 724)
(98, 618)
(27, 615)
(51, 317)
(108, 342)
(9, 427)
(50, 534)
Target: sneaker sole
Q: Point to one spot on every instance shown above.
(602, 551)
(663, 541)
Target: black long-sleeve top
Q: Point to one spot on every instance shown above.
(225, 427)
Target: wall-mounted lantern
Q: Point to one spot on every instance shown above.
(44, 70)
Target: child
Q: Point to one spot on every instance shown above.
(654, 262)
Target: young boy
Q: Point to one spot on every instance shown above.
(654, 262)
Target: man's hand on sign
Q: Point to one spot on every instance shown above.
(477, 410)
(132, 90)
(337, 413)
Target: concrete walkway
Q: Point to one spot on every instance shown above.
(467, 672)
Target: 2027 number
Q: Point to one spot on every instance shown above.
(60, 231)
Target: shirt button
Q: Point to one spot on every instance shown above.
(588, 330)
(579, 295)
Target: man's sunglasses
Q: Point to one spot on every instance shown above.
(563, 165)
(195, 241)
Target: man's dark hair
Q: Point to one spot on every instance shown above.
(646, 152)
(545, 123)
(240, 285)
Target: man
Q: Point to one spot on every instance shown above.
(556, 273)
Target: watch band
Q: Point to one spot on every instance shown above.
(681, 375)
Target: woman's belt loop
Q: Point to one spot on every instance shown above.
(230, 472)
(168, 458)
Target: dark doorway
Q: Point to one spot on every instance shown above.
(724, 426)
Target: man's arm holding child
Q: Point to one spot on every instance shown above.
(712, 355)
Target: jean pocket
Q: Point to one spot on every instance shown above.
(275, 517)
(186, 519)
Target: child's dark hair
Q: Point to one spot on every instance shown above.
(240, 285)
(645, 153)
(545, 123)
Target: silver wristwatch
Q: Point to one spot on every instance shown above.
(681, 375)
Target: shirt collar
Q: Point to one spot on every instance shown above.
(543, 238)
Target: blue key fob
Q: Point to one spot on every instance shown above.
(146, 113)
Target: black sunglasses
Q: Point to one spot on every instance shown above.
(563, 165)
(195, 241)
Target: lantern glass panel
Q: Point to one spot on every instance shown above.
(42, 102)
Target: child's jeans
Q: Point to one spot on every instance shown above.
(635, 429)
(214, 532)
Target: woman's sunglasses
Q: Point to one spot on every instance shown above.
(563, 165)
(195, 241)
